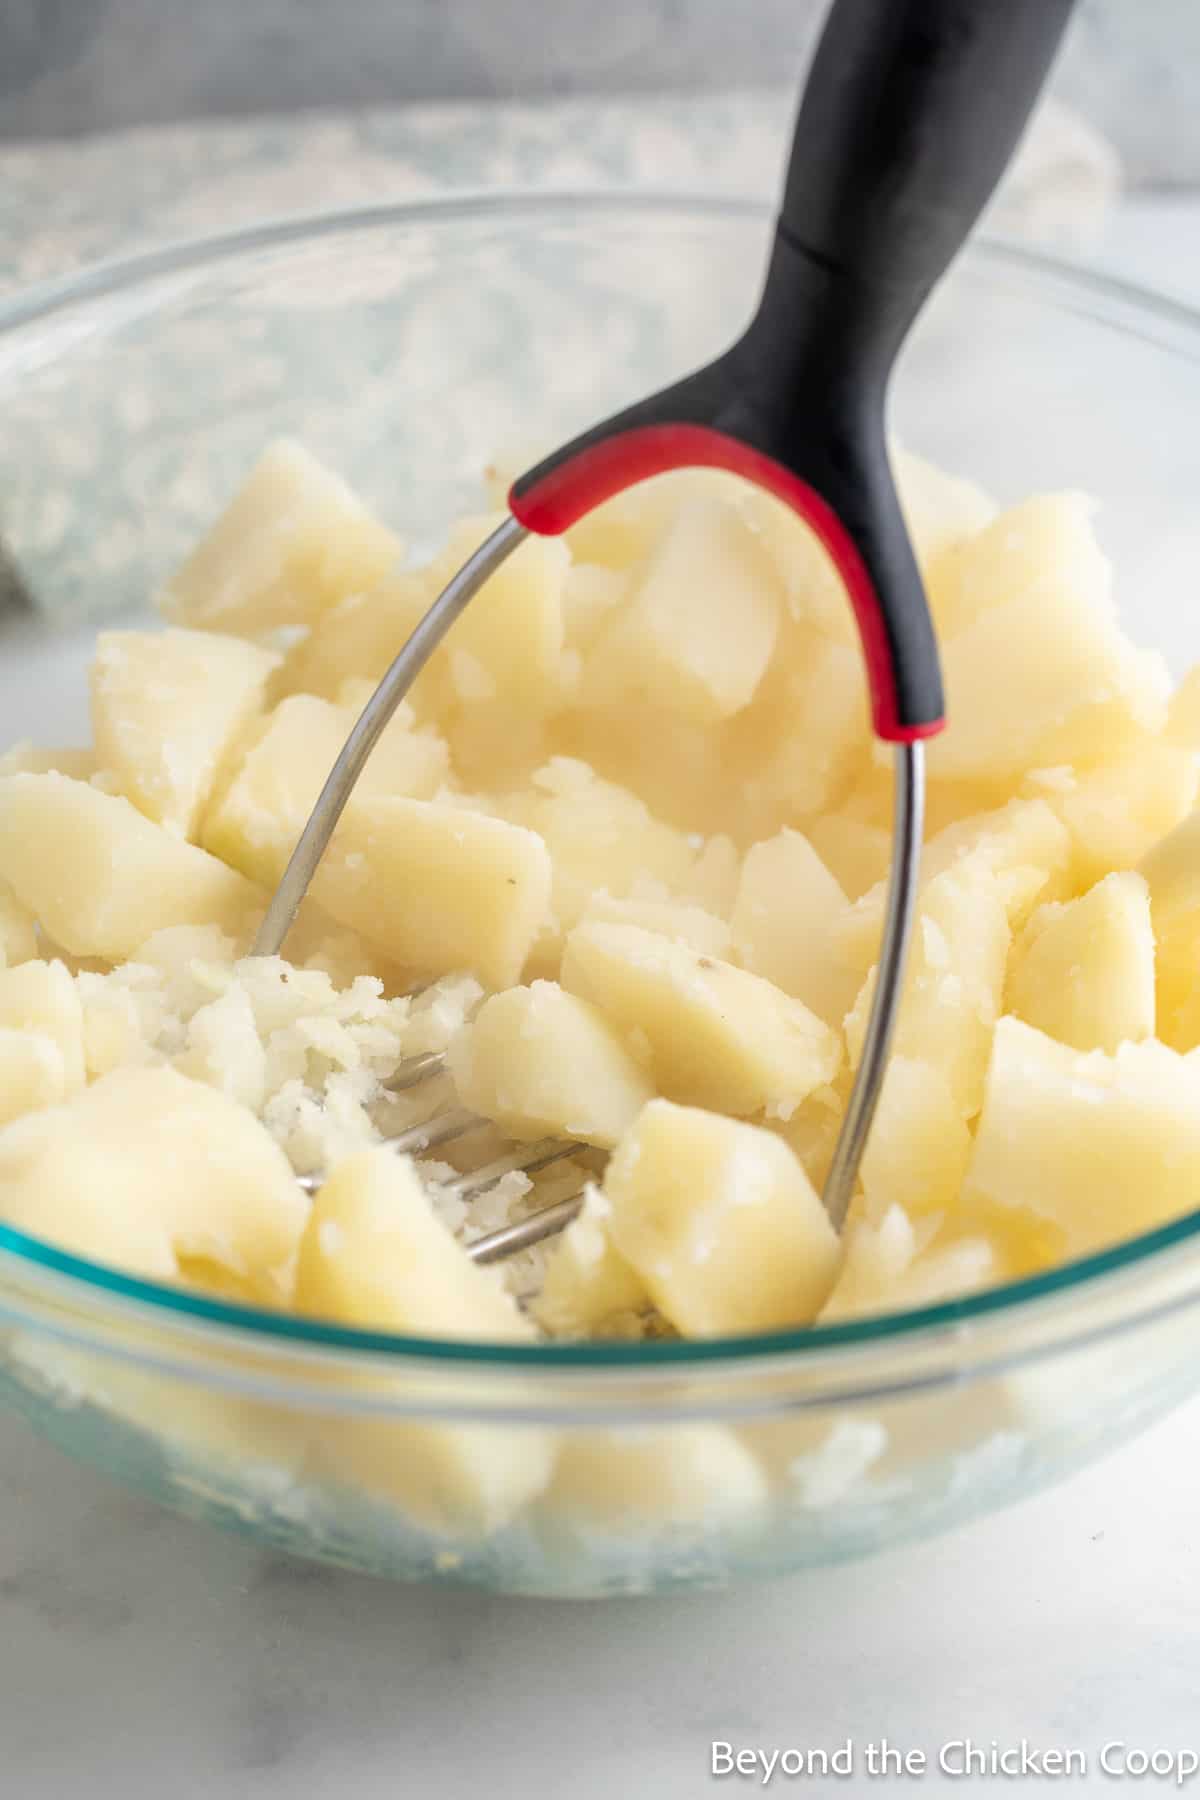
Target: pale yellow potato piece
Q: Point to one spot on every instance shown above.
(1042, 673)
(677, 919)
(1084, 974)
(715, 875)
(917, 1150)
(438, 888)
(887, 1267)
(601, 838)
(543, 1063)
(1172, 870)
(940, 510)
(1116, 813)
(673, 1475)
(954, 981)
(679, 769)
(587, 1281)
(697, 629)
(624, 530)
(374, 1254)
(814, 595)
(118, 1025)
(796, 750)
(1012, 841)
(718, 1036)
(812, 1131)
(42, 997)
(720, 1221)
(785, 921)
(255, 824)
(29, 759)
(1088, 1148)
(293, 542)
(18, 930)
(32, 1073)
(591, 593)
(167, 708)
(100, 877)
(855, 853)
(507, 646)
(146, 1170)
(360, 638)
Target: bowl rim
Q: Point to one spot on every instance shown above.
(943, 1321)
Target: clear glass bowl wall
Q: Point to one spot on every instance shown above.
(406, 346)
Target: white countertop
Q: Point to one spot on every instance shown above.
(140, 1654)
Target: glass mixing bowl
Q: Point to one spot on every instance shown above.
(406, 345)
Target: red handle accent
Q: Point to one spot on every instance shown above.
(573, 488)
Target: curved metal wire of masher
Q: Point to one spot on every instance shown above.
(902, 887)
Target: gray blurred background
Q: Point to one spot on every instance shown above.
(76, 66)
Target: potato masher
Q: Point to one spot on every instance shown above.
(910, 113)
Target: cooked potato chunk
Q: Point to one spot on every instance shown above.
(508, 644)
(856, 854)
(438, 888)
(940, 510)
(100, 877)
(31, 1073)
(797, 748)
(360, 638)
(624, 530)
(676, 919)
(42, 997)
(18, 930)
(917, 1151)
(147, 1170)
(886, 1266)
(601, 838)
(696, 631)
(1044, 629)
(1172, 869)
(1024, 843)
(954, 982)
(374, 1254)
(167, 708)
(679, 770)
(590, 594)
(587, 1281)
(785, 921)
(539, 1062)
(1090, 1148)
(256, 822)
(1116, 813)
(721, 1223)
(1085, 971)
(293, 542)
(718, 1035)
(675, 1475)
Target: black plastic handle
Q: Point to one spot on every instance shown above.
(910, 114)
